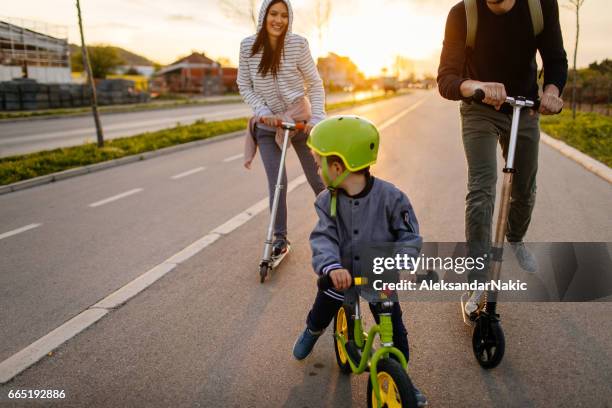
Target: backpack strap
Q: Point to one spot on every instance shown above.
(537, 17)
(471, 19)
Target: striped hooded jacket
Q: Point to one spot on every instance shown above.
(297, 76)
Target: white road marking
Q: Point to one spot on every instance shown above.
(232, 158)
(188, 173)
(21, 360)
(397, 117)
(115, 198)
(19, 230)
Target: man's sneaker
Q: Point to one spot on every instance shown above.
(304, 344)
(473, 302)
(525, 258)
(420, 397)
(280, 246)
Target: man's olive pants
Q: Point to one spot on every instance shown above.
(482, 128)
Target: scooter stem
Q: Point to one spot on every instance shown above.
(277, 191)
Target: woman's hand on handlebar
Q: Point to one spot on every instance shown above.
(495, 93)
(271, 121)
(341, 278)
(550, 103)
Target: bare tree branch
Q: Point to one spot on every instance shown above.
(322, 16)
(240, 10)
(576, 5)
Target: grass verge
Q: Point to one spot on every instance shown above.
(591, 133)
(27, 166)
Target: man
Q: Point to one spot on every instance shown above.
(500, 60)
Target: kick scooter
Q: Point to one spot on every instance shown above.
(488, 342)
(388, 384)
(269, 262)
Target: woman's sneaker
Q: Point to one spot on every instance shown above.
(304, 344)
(280, 249)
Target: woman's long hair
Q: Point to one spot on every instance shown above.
(271, 58)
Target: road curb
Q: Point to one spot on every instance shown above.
(78, 171)
(594, 166)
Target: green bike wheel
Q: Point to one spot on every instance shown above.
(343, 324)
(394, 386)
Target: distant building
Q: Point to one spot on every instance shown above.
(339, 72)
(39, 51)
(194, 74)
(229, 79)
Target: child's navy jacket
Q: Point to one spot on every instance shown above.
(381, 213)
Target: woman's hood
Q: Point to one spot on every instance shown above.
(262, 14)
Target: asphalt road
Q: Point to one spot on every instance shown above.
(208, 334)
(18, 137)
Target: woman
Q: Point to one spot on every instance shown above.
(277, 77)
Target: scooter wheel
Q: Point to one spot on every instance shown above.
(263, 272)
(488, 342)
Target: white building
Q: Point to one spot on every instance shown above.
(36, 54)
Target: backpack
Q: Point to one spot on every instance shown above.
(471, 18)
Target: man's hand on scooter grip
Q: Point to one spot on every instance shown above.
(495, 93)
(341, 278)
(550, 104)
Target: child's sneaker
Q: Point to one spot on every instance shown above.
(420, 397)
(304, 344)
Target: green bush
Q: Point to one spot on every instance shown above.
(22, 167)
(591, 133)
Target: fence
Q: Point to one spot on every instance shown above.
(27, 94)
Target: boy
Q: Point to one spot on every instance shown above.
(356, 207)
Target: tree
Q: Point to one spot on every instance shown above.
(241, 10)
(103, 60)
(575, 4)
(90, 79)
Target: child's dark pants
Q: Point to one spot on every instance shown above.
(325, 308)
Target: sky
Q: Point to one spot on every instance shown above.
(371, 33)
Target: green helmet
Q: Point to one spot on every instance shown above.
(355, 140)
(352, 138)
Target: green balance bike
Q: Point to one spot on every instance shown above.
(388, 385)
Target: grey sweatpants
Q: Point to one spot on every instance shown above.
(271, 156)
(482, 129)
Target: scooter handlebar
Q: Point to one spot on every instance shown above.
(479, 96)
(287, 125)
